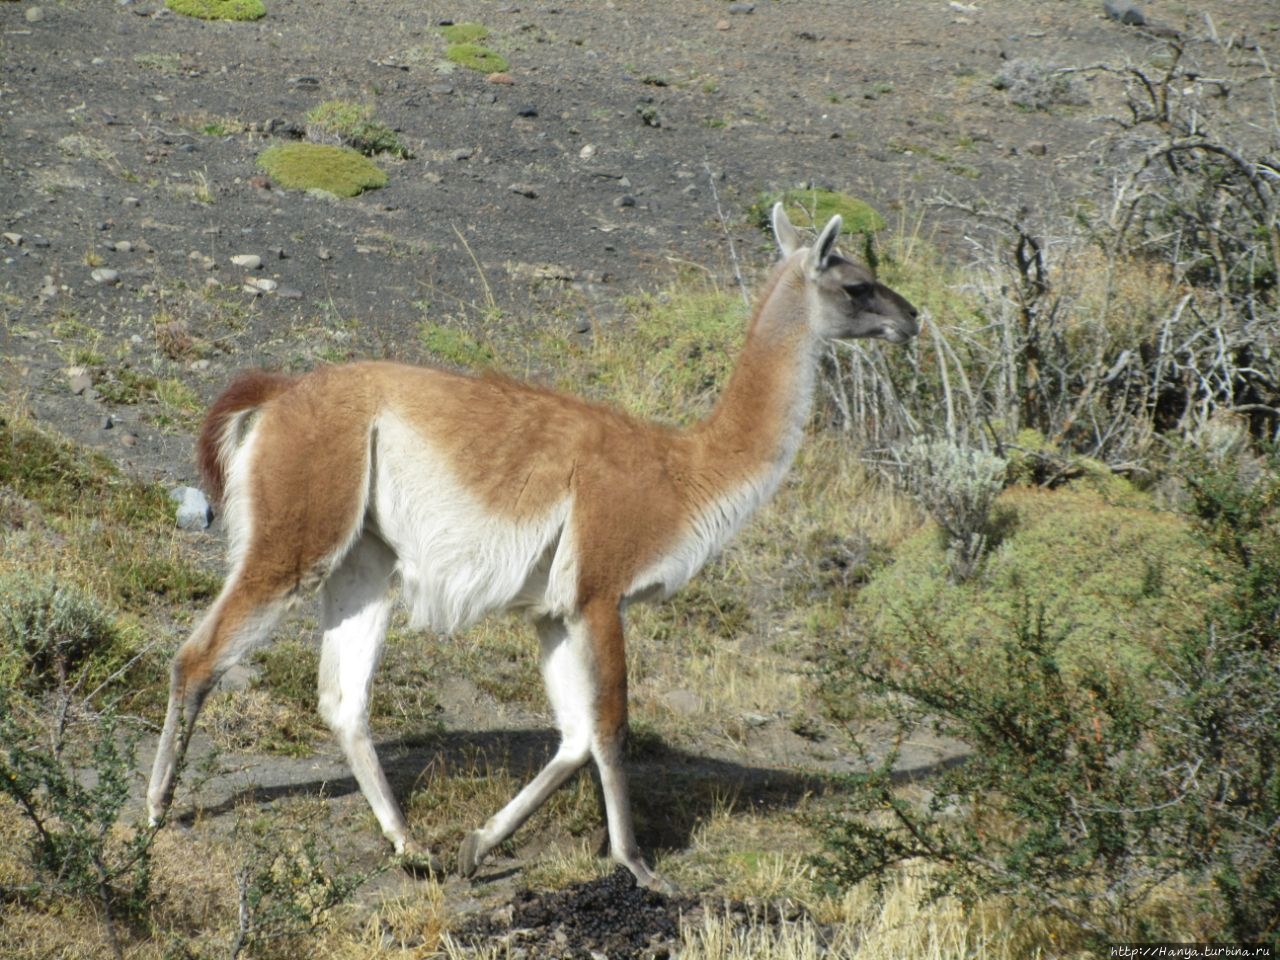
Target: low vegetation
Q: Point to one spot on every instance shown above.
(219, 9)
(341, 171)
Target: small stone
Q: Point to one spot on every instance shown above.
(324, 254)
(130, 202)
(249, 261)
(1125, 12)
(626, 200)
(259, 182)
(13, 238)
(683, 702)
(260, 285)
(742, 8)
(722, 24)
(122, 246)
(129, 439)
(1037, 148)
(289, 293)
(78, 380)
(34, 14)
(525, 190)
(463, 153)
(278, 252)
(105, 275)
(527, 111)
(108, 422)
(587, 152)
(503, 79)
(194, 512)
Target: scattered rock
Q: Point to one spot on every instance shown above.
(249, 261)
(504, 79)
(122, 246)
(742, 8)
(588, 152)
(685, 703)
(1125, 12)
(525, 190)
(130, 202)
(626, 200)
(129, 440)
(13, 238)
(527, 111)
(34, 14)
(723, 25)
(260, 285)
(1037, 148)
(78, 380)
(107, 422)
(106, 276)
(194, 512)
(260, 182)
(289, 293)
(324, 254)
(463, 153)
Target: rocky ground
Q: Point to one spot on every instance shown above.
(623, 146)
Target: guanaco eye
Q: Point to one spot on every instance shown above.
(857, 290)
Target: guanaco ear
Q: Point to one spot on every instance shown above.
(820, 252)
(784, 232)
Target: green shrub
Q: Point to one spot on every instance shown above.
(71, 785)
(464, 32)
(812, 207)
(219, 9)
(1117, 687)
(455, 347)
(307, 166)
(50, 634)
(353, 125)
(475, 56)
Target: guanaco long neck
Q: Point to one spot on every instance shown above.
(752, 434)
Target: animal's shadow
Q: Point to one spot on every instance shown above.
(672, 790)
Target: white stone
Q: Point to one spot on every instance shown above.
(249, 261)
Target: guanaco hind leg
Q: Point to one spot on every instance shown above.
(243, 614)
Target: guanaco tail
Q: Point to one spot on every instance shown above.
(474, 494)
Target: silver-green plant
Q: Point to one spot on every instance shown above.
(957, 485)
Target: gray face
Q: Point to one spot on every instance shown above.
(857, 305)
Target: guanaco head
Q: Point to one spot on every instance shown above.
(847, 300)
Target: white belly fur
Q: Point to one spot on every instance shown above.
(458, 561)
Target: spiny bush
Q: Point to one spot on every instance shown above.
(957, 486)
(50, 633)
(1109, 328)
(71, 785)
(1117, 688)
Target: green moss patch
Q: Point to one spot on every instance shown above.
(338, 170)
(219, 9)
(464, 32)
(813, 208)
(473, 56)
